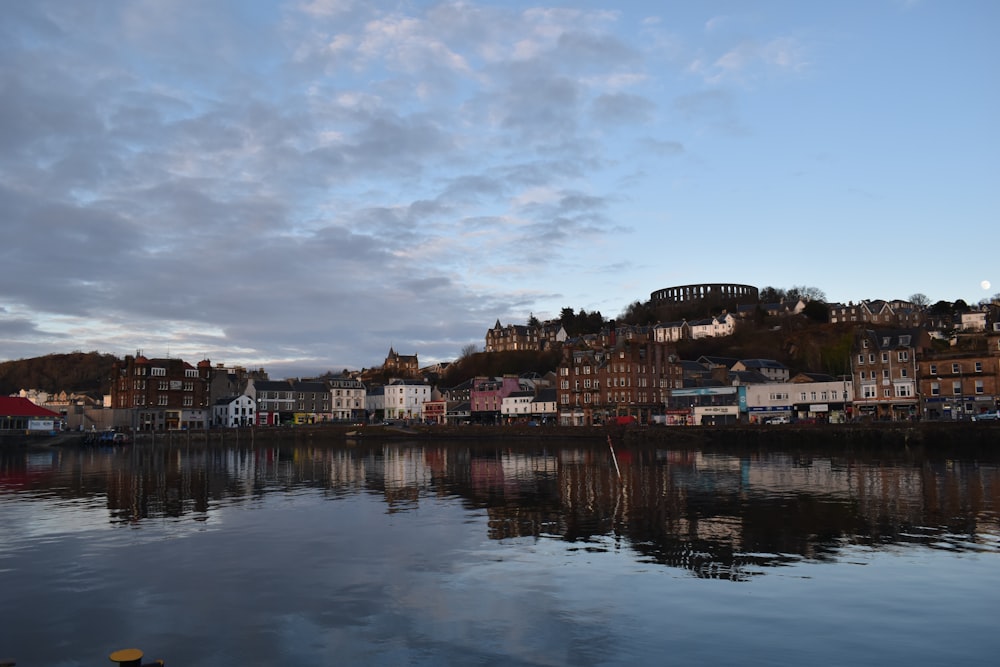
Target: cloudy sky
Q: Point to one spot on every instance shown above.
(300, 185)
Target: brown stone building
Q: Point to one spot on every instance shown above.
(962, 381)
(626, 380)
(511, 338)
(163, 394)
(885, 372)
(401, 365)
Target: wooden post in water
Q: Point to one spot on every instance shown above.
(614, 458)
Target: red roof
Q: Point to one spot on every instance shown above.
(22, 407)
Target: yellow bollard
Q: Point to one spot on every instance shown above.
(129, 657)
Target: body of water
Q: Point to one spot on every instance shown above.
(487, 554)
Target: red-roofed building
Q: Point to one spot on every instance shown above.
(20, 414)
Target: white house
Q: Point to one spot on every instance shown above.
(517, 405)
(234, 411)
(713, 327)
(347, 399)
(404, 399)
(826, 401)
(671, 332)
(974, 320)
(544, 405)
(775, 371)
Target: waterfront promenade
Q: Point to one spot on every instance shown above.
(985, 436)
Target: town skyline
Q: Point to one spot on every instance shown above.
(303, 185)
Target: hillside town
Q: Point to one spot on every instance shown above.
(900, 361)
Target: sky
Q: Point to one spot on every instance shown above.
(303, 185)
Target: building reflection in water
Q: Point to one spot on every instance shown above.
(724, 515)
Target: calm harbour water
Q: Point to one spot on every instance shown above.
(489, 554)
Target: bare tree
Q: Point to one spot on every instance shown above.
(805, 293)
(920, 300)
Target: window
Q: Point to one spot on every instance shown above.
(979, 386)
(188, 401)
(161, 399)
(956, 368)
(979, 367)
(871, 358)
(158, 372)
(861, 358)
(902, 355)
(885, 373)
(904, 390)
(902, 372)
(932, 369)
(887, 393)
(956, 388)
(885, 357)
(868, 391)
(935, 388)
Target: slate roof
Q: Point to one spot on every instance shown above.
(751, 364)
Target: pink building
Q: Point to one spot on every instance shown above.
(486, 397)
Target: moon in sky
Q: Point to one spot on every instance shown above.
(985, 284)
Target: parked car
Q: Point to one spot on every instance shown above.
(987, 416)
(776, 420)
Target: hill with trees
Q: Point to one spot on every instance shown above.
(76, 372)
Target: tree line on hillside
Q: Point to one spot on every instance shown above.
(76, 372)
(798, 344)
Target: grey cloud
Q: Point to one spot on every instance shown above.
(16, 327)
(622, 108)
(711, 107)
(662, 147)
(591, 49)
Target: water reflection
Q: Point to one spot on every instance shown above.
(718, 515)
